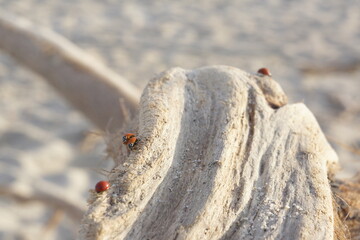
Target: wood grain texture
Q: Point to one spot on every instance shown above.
(215, 161)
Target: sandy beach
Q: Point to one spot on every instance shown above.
(311, 48)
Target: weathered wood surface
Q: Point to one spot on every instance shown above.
(89, 85)
(216, 161)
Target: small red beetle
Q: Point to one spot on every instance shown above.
(102, 186)
(127, 137)
(264, 71)
(132, 142)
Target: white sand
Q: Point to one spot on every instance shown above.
(40, 135)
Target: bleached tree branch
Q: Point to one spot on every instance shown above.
(86, 83)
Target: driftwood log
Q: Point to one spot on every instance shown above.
(217, 160)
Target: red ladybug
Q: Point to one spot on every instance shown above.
(132, 142)
(264, 71)
(102, 186)
(127, 137)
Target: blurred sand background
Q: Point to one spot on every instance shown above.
(312, 48)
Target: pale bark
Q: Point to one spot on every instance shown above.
(91, 87)
(216, 161)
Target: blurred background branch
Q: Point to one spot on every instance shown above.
(89, 85)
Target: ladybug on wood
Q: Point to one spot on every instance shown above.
(126, 138)
(102, 186)
(264, 71)
(130, 140)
